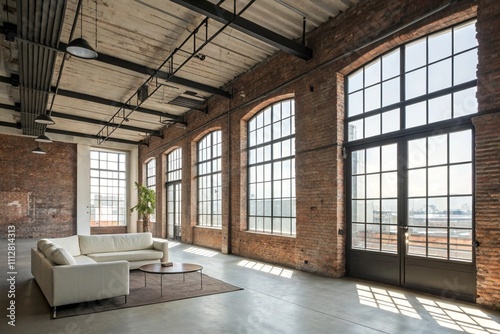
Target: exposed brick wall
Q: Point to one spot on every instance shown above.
(47, 183)
(488, 155)
(317, 87)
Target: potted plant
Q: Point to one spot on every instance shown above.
(146, 204)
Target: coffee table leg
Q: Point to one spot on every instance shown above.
(144, 278)
(161, 285)
(201, 279)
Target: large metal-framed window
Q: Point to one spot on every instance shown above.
(426, 82)
(271, 170)
(174, 193)
(210, 180)
(108, 188)
(426, 86)
(151, 181)
(174, 165)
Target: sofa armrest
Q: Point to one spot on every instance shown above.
(86, 282)
(161, 245)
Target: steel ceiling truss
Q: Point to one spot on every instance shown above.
(217, 13)
(139, 97)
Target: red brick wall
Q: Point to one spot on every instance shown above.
(46, 183)
(317, 87)
(487, 127)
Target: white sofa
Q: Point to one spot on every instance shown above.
(83, 268)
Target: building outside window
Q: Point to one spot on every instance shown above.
(108, 188)
(210, 180)
(271, 170)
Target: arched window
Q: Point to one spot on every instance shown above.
(410, 181)
(271, 170)
(210, 180)
(151, 181)
(174, 193)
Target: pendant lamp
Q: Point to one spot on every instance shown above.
(79, 47)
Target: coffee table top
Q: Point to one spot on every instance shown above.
(176, 268)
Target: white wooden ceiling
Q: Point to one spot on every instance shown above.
(133, 37)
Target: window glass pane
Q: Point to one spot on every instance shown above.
(373, 160)
(389, 157)
(415, 54)
(373, 211)
(437, 150)
(372, 98)
(390, 65)
(372, 73)
(416, 83)
(358, 186)
(390, 121)
(373, 186)
(358, 236)
(389, 214)
(438, 181)
(355, 130)
(417, 153)
(461, 179)
(461, 211)
(373, 236)
(358, 211)
(460, 146)
(389, 185)
(417, 212)
(358, 162)
(439, 46)
(440, 108)
(465, 37)
(416, 115)
(438, 212)
(372, 126)
(464, 102)
(465, 67)
(355, 81)
(390, 92)
(417, 183)
(440, 75)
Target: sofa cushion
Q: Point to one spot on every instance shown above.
(136, 255)
(71, 244)
(43, 244)
(91, 244)
(82, 259)
(60, 255)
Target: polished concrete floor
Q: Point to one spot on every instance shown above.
(274, 300)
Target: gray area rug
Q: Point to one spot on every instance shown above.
(174, 288)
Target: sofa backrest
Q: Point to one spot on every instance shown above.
(104, 243)
(71, 244)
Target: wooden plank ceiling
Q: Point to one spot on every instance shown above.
(133, 38)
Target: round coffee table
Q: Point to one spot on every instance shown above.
(176, 268)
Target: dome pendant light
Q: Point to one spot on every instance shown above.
(38, 150)
(43, 139)
(44, 119)
(79, 47)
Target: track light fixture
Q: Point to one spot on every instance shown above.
(79, 47)
(44, 119)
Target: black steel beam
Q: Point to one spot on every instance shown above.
(101, 100)
(11, 30)
(97, 121)
(248, 27)
(75, 134)
(88, 120)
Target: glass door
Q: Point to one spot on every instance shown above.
(174, 210)
(439, 231)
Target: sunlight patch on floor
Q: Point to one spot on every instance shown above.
(172, 244)
(200, 251)
(460, 318)
(266, 268)
(391, 301)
